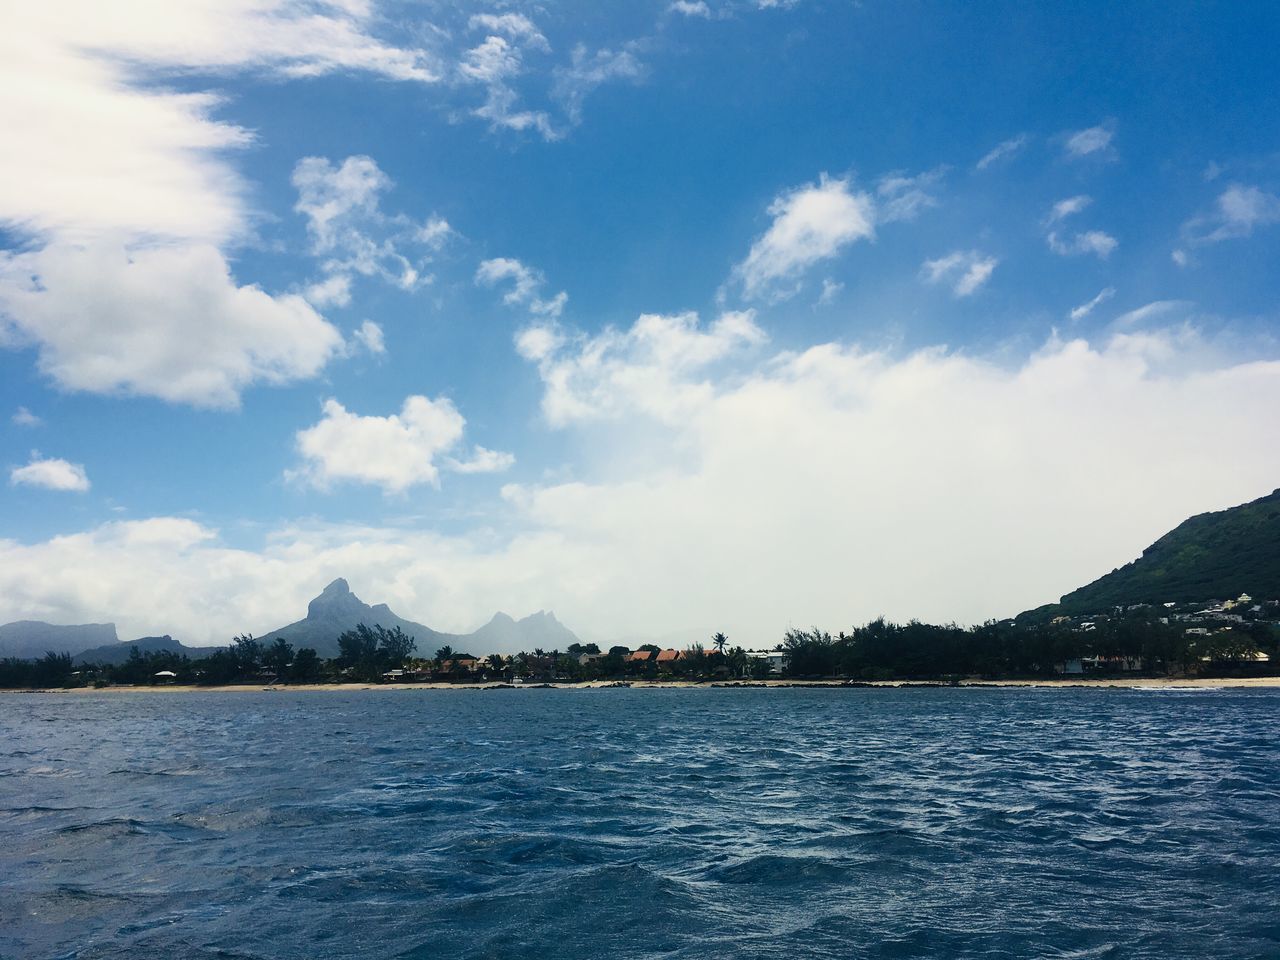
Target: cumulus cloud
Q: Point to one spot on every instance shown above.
(50, 474)
(23, 417)
(1089, 142)
(810, 224)
(648, 369)
(494, 63)
(1238, 211)
(964, 270)
(796, 487)
(1082, 311)
(1002, 151)
(524, 286)
(109, 175)
(369, 336)
(349, 230)
(394, 452)
(167, 322)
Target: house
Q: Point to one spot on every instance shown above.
(668, 656)
(639, 656)
(776, 660)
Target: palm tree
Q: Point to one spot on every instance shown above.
(719, 641)
(444, 653)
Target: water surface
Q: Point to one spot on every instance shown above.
(641, 824)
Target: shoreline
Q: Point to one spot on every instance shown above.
(1153, 683)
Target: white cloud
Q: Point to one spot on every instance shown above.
(1002, 150)
(830, 290)
(900, 197)
(965, 270)
(23, 417)
(1096, 242)
(394, 452)
(1082, 311)
(332, 291)
(691, 8)
(525, 286)
(483, 460)
(1180, 257)
(1094, 140)
(514, 25)
(648, 368)
(369, 336)
(797, 488)
(50, 474)
(167, 322)
(493, 64)
(1156, 310)
(810, 224)
(586, 71)
(348, 228)
(107, 174)
(1237, 212)
(1068, 207)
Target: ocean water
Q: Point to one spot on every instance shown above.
(790, 823)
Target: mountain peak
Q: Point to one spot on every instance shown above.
(338, 586)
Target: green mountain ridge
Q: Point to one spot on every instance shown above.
(1211, 556)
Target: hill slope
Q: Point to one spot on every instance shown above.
(1212, 556)
(117, 653)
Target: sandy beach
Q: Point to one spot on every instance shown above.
(1155, 683)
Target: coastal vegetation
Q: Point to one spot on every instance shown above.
(1232, 637)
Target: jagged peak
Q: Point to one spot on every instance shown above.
(337, 586)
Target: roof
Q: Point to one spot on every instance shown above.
(640, 655)
(666, 656)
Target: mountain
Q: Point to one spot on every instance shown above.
(503, 634)
(117, 653)
(1212, 556)
(337, 610)
(32, 638)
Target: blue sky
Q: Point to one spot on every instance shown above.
(672, 317)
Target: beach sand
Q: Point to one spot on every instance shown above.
(1154, 683)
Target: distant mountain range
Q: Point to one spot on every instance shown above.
(1211, 556)
(335, 611)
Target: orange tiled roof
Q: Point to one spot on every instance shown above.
(666, 656)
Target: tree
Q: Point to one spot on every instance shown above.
(306, 665)
(278, 656)
(444, 653)
(247, 652)
(394, 646)
(496, 663)
(719, 641)
(358, 652)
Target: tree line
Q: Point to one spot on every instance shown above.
(878, 650)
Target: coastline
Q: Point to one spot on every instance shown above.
(1153, 683)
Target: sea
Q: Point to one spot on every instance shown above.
(641, 823)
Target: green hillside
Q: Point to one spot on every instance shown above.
(1213, 556)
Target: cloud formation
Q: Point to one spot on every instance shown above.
(965, 270)
(167, 322)
(395, 452)
(50, 474)
(525, 284)
(124, 286)
(810, 224)
(829, 485)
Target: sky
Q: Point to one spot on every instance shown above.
(671, 317)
